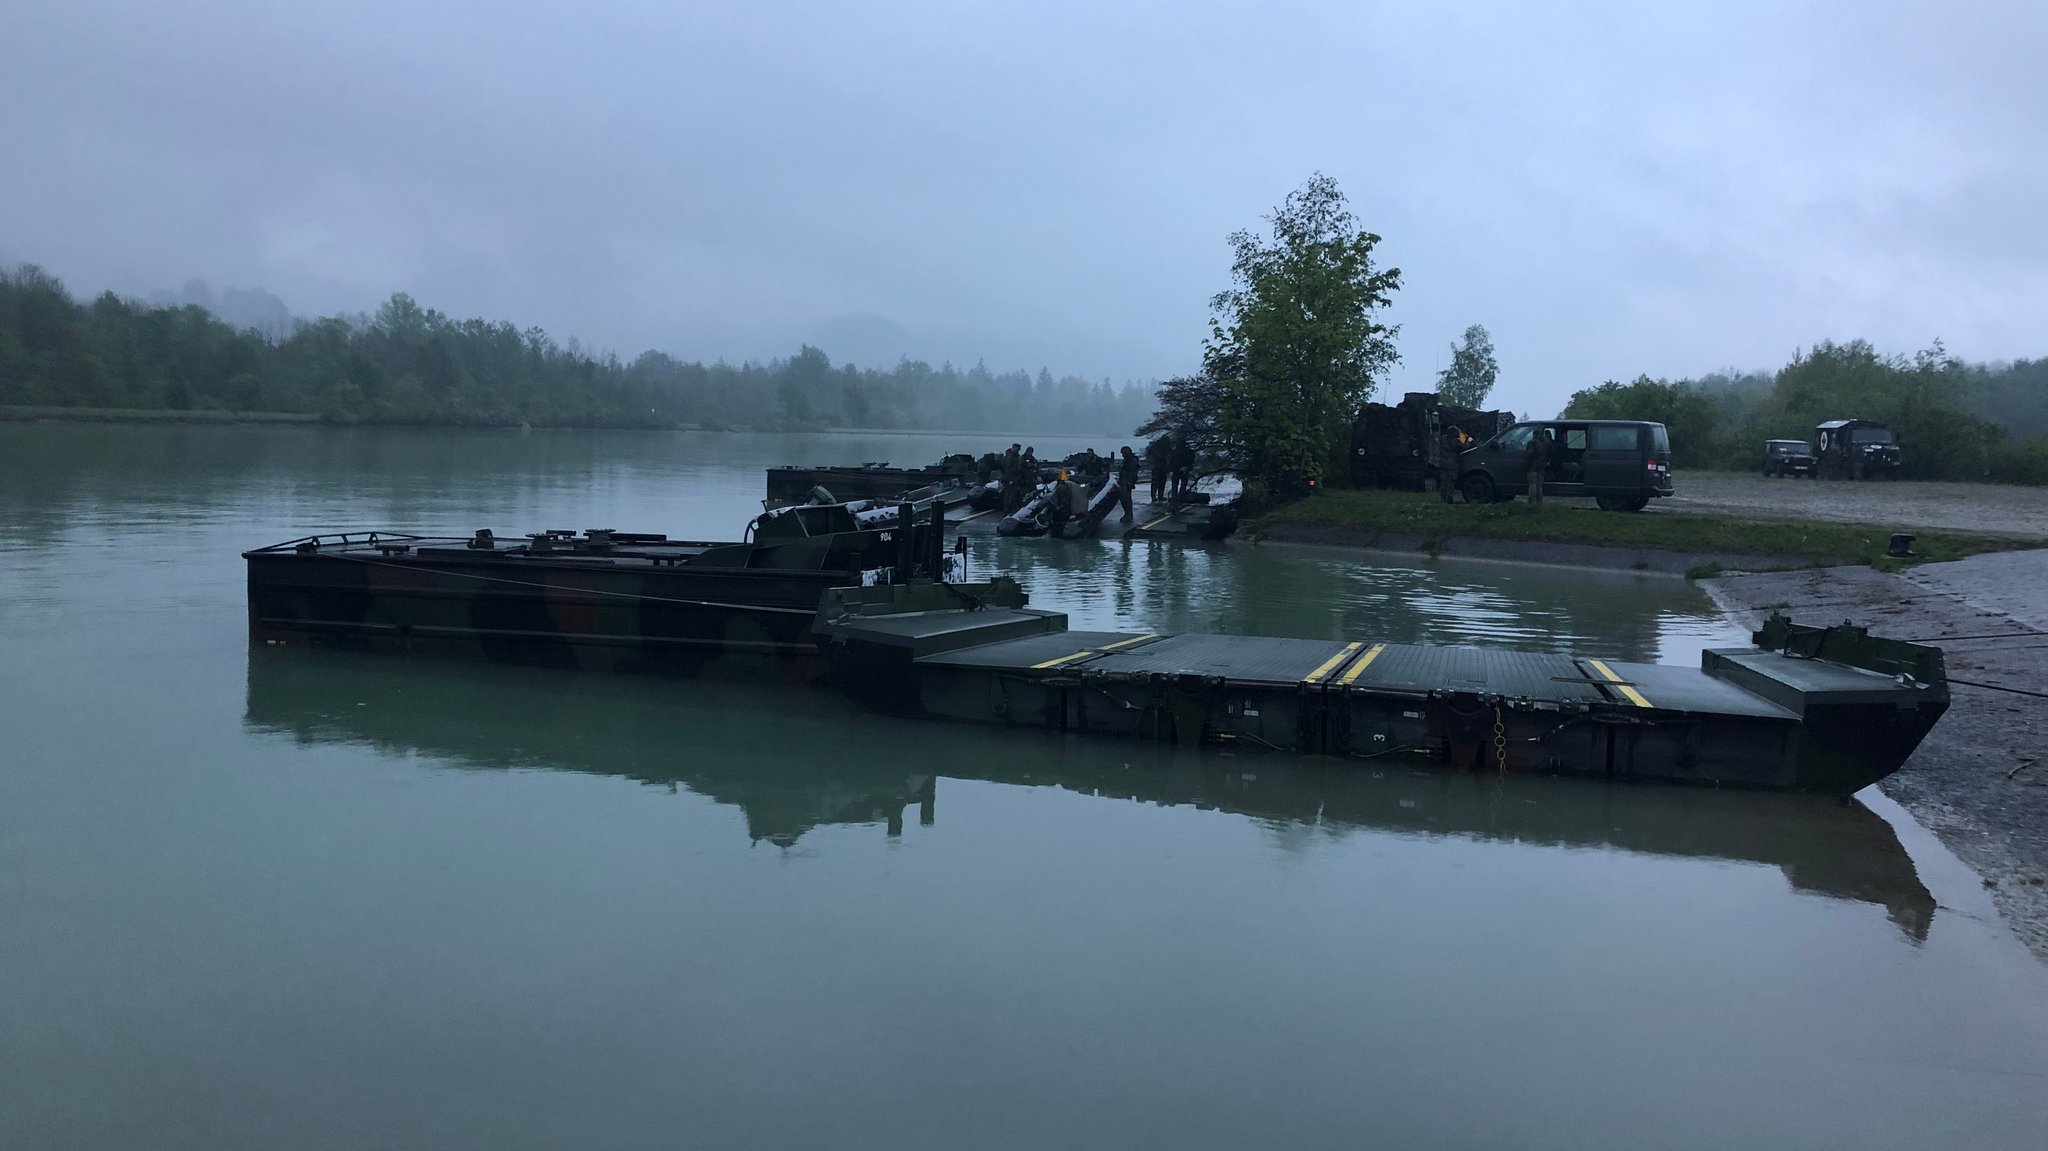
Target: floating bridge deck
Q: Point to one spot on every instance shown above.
(1808, 709)
(1748, 717)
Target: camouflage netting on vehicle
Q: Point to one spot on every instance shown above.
(1403, 445)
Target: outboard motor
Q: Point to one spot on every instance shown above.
(1085, 525)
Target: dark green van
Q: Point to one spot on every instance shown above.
(1623, 464)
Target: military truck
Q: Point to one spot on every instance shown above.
(1856, 450)
(1412, 444)
(1788, 458)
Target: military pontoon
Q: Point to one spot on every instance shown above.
(864, 595)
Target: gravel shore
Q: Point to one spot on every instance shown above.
(1987, 509)
(1980, 780)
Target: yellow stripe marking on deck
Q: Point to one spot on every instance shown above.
(1364, 663)
(1084, 653)
(1331, 664)
(1634, 696)
(1127, 642)
(1155, 523)
(975, 516)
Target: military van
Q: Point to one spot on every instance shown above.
(1621, 464)
(1857, 450)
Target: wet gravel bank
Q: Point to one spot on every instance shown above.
(1980, 779)
(1986, 509)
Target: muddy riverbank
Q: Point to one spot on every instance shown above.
(1979, 781)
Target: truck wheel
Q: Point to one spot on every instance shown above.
(1477, 488)
(1612, 503)
(1638, 504)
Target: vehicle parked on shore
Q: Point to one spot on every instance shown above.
(1407, 445)
(1857, 450)
(1621, 464)
(1789, 458)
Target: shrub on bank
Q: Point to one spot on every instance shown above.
(2025, 462)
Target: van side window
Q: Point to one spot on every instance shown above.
(1515, 439)
(1608, 438)
(1575, 439)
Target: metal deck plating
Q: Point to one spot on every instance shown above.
(1823, 710)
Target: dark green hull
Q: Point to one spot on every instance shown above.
(609, 601)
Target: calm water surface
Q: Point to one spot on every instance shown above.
(280, 899)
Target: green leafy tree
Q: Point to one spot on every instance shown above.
(854, 402)
(1186, 409)
(1927, 398)
(1469, 378)
(2015, 395)
(1296, 342)
(412, 364)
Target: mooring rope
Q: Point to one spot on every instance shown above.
(1996, 687)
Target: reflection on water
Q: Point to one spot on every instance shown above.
(260, 899)
(272, 484)
(1327, 593)
(805, 760)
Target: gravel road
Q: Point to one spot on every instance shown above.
(1993, 509)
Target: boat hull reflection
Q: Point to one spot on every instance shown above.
(794, 762)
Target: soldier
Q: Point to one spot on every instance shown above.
(1013, 480)
(1183, 468)
(1159, 454)
(1126, 479)
(1451, 446)
(1060, 505)
(1538, 458)
(1076, 494)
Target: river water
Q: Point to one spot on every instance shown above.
(283, 899)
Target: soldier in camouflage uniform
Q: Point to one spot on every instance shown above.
(1126, 479)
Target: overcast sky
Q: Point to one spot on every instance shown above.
(1611, 189)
